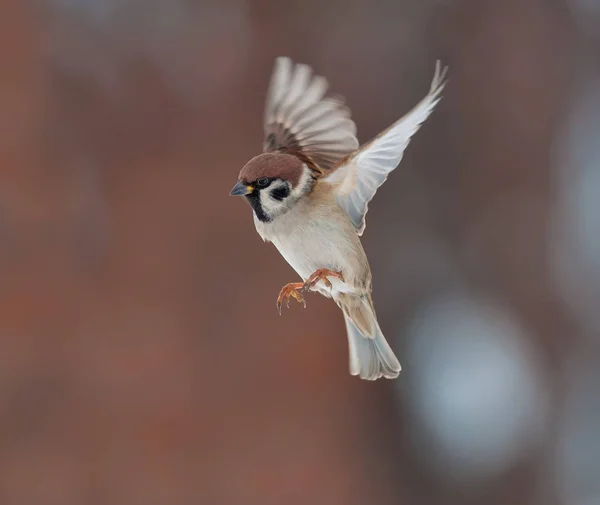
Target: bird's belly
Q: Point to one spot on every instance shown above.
(312, 250)
(303, 260)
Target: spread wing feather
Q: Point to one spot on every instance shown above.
(300, 120)
(360, 175)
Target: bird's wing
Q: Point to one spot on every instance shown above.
(360, 175)
(300, 120)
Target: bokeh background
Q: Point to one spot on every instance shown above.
(142, 360)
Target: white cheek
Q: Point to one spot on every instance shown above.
(272, 206)
(265, 201)
(304, 183)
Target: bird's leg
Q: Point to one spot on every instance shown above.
(291, 289)
(321, 275)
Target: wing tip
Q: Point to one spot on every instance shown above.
(282, 65)
(282, 60)
(439, 81)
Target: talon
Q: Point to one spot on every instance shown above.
(321, 275)
(298, 296)
(291, 289)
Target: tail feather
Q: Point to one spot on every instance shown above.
(359, 310)
(371, 356)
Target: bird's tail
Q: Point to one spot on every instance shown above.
(371, 356)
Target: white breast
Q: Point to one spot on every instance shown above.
(311, 237)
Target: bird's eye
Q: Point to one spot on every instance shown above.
(263, 181)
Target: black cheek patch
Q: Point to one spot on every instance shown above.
(280, 193)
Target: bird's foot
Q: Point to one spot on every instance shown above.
(293, 289)
(321, 275)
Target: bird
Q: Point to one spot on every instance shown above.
(309, 191)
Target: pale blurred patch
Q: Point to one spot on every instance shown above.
(477, 390)
(575, 250)
(579, 441)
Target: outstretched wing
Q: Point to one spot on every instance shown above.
(363, 172)
(300, 120)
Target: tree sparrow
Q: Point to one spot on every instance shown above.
(310, 189)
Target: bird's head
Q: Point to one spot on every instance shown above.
(272, 183)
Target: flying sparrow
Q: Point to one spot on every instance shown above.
(309, 191)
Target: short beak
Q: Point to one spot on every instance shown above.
(241, 189)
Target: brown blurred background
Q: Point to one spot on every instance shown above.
(142, 360)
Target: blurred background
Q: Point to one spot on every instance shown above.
(142, 360)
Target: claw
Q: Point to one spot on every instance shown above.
(321, 275)
(292, 289)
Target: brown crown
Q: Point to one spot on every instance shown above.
(273, 165)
